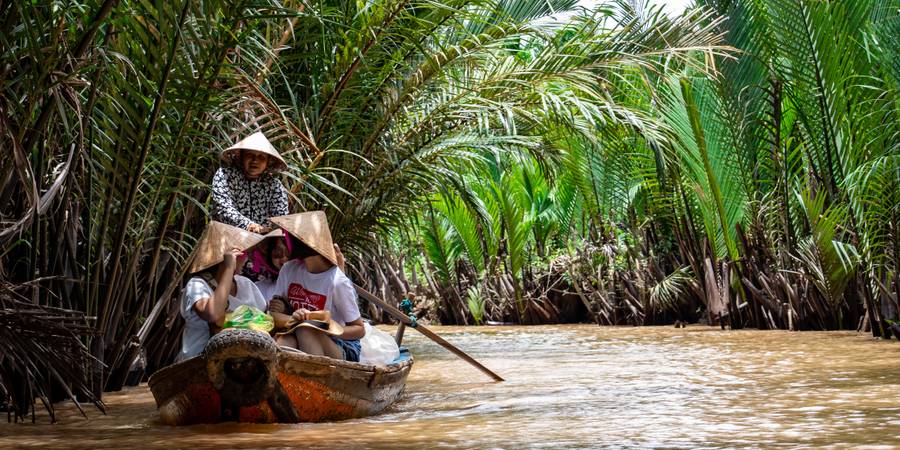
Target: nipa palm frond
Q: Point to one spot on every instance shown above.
(668, 292)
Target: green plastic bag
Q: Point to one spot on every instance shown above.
(245, 316)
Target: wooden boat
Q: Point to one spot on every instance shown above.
(242, 375)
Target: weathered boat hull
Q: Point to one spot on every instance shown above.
(243, 376)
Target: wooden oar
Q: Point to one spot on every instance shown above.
(403, 318)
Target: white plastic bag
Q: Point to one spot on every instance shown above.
(378, 347)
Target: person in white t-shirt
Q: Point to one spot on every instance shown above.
(270, 256)
(313, 282)
(216, 287)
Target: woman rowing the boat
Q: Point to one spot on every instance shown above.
(216, 286)
(245, 190)
(313, 282)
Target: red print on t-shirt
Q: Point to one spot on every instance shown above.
(300, 297)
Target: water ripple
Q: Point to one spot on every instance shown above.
(576, 387)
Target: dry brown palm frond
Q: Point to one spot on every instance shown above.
(40, 351)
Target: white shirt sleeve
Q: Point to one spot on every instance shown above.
(344, 300)
(195, 290)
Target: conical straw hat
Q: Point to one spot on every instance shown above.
(257, 142)
(274, 234)
(312, 229)
(217, 239)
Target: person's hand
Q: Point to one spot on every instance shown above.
(277, 304)
(256, 228)
(230, 258)
(300, 315)
(341, 262)
(263, 229)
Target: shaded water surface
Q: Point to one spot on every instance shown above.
(574, 387)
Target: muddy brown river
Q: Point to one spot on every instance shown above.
(576, 386)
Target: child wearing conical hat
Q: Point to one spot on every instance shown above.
(216, 286)
(312, 281)
(245, 190)
(267, 258)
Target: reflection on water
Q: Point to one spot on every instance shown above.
(574, 387)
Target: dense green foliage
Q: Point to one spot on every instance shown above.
(761, 188)
(647, 167)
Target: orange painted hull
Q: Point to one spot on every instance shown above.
(296, 388)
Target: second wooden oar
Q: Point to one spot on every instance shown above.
(392, 310)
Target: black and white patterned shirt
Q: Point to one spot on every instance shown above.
(240, 201)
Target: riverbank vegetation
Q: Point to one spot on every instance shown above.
(507, 162)
(762, 194)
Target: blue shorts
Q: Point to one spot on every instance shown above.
(351, 348)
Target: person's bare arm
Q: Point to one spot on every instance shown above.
(277, 310)
(354, 330)
(276, 304)
(281, 320)
(212, 309)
